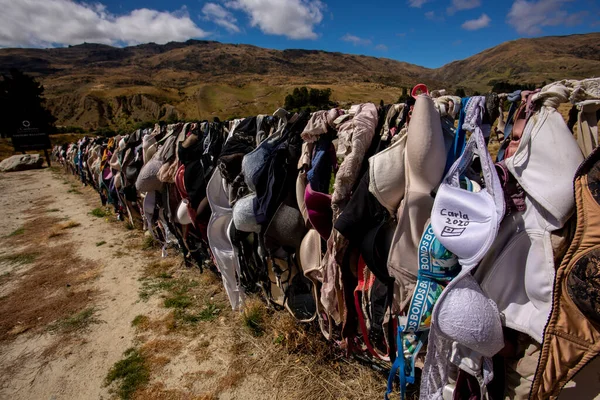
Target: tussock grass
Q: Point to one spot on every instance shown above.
(58, 229)
(149, 243)
(69, 225)
(208, 313)
(21, 258)
(254, 316)
(53, 210)
(17, 232)
(100, 243)
(159, 268)
(178, 301)
(129, 374)
(100, 212)
(78, 322)
(140, 321)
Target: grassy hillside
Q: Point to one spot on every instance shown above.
(92, 85)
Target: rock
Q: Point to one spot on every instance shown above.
(21, 162)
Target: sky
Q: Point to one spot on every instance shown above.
(430, 33)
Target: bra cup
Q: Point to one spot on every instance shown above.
(217, 234)
(387, 175)
(243, 214)
(548, 180)
(310, 255)
(583, 285)
(425, 149)
(465, 227)
(254, 161)
(216, 194)
(465, 315)
(220, 245)
(320, 214)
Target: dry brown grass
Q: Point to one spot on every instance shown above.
(47, 291)
(158, 391)
(159, 352)
(158, 267)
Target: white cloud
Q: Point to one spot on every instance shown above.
(529, 17)
(433, 16)
(381, 47)
(295, 19)
(45, 23)
(475, 24)
(355, 40)
(220, 16)
(458, 5)
(417, 3)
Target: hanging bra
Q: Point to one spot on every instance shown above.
(572, 335)
(425, 160)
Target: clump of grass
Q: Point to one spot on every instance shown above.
(99, 212)
(20, 258)
(140, 321)
(159, 268)
(100, 243)
(151, 287)
(129, 226)
(208, 313)
(69, 225)
(254, 317)
(55, 233)
(75, 191)
(17, 232)
(119, 254)
(178, 301)
(130, 373)
(78, 322)
(150, 243)
(53, 210)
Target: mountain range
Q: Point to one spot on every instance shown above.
(94, 85)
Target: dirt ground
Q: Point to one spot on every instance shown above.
(78, 289)
(84, 299)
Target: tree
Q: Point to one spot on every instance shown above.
(22, 98)
(404, 96)
(312, 100)
(460, 92)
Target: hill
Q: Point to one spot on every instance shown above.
(536, 60)
(93, 85)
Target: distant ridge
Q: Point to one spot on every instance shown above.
(95, 85)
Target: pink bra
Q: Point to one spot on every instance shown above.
(319, 209)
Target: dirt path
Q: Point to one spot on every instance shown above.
(81, 296)
(76, 370)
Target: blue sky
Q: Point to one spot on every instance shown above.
(425, 32)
